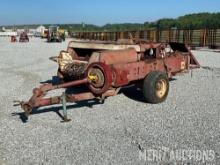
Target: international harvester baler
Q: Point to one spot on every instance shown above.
(106, 67)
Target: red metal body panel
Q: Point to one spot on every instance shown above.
(118, 56)
(125, 73)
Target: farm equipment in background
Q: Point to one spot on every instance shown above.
(13, 39)
(106, 67)
(45, 33)
(23, 37)
(55, 34)
(62, 33)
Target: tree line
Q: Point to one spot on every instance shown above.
(189, 21)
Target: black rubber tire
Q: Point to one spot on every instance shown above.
(149, 87)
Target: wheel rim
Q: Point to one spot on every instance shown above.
(100, 82)
(161, 88)
(104, 78)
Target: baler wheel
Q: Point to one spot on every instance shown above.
(155, 87)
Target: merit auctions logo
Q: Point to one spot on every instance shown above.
(164, 154)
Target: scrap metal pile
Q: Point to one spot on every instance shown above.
(106, 67)
(23, 37)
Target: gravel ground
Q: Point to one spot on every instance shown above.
(113, 133)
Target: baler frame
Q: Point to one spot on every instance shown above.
(106, 76)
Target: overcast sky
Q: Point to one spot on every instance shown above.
(98, 12)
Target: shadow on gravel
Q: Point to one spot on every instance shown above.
(172, 79)
(21, 115)
(133, 93)
(56, 109)
(55, 80)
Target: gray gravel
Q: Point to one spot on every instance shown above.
(112, 133)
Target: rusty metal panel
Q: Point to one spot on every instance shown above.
(164, 36)
(119, 56)
(153, 35)
(196, 39)
(102, 46)
(217, 38)
(192, 37)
